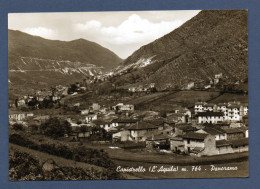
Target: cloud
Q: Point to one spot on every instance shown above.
(42, 32)
(93, 24)
(133, 30)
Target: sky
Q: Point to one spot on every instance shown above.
(122, 32)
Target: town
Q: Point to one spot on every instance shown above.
(102, 100)
(203, 129)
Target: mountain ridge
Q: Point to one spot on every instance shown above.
(212, 42)
(35, 62)
(79, 50)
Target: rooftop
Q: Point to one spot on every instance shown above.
(234, 106)
(209, 113)
(192, 135)
(176, 138)
(222, 104)
(197, 150)
(214, 130)
(186, 127)
(209, 105)
(142, 126)
(159, 137)
(124, 120)
(240, 142)
(199, 103)
(233, 130)
(157, 122)
(220, 143)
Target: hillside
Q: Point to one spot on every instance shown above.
(24, 45)
(35, 62)
(210, 43)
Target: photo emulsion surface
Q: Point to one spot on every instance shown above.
(128, 95)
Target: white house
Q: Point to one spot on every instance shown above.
(190, 85)
(210, 117)
(84, 112)
(91, 117)
(233, 113)
(218, 76)
(208, 107)
(124, 107)
(199, 107)
(215, 131)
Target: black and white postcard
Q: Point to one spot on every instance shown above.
(128, 95)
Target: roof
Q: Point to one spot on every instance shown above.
(91, 115)
(244, 104)
(199, 103)
(175, 115)
(218, 125)
(209, 113)
(233, 130)
(176, 138)
(209, 105)
(220, 143)
(183, 124)
(79, 129)
(245, 117)
(142, 126)
(117, 129)
(243, 128)
(197, 150)
(99, 122)
(214, 130)
(240, 142)
(192, 135)
(234, 106)
(157, 122)
(124, 120)
(222, 104)
(159, 137)
(186, 128)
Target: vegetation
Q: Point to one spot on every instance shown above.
(18, 127)
(55, 128)
(79, 154)
(25, 167)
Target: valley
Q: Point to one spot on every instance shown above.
(181, 100)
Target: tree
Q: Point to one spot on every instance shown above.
(55, 128)
(83, 129)
(73, 88)
(18, 126)
(46, 104)
(33, 103)
(16, 103)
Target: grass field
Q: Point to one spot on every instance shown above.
(185, 98)
(42, 157)
(155, 100)
(230, 97)
(142, 157)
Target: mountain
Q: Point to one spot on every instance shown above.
(35, 62)
(212, 42)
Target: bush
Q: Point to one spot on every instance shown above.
(79, 154)
(24, 167)
(55, 128)
(18, 127)
(19, 140)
